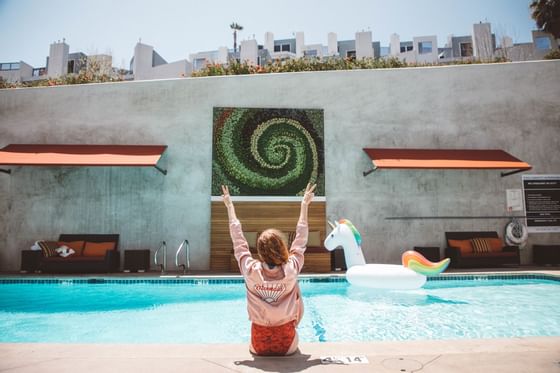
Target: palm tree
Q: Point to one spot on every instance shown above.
(546, 14)
(235, 27)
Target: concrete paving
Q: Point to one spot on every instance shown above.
(531, 355)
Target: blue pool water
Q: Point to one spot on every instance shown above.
(202, 312)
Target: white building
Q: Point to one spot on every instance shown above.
(57, 62)
(15, 71)
(249, 52)
(422, 49)
(148, 64)
(483, 41)
(364, 47)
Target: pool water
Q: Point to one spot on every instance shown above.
(71, 312)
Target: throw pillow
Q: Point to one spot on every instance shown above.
(65, 251)
(496, 244)
(76, 245)
(463, 245)
(48, 248)
(97, 248)
(480, 245)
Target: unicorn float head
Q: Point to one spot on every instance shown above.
(410, 275)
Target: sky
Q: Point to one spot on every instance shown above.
(178, 28)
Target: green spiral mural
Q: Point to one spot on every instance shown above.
(267, 152)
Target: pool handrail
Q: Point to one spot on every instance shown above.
(164, 264)
(187, 266)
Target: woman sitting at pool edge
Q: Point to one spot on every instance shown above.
(274, 301)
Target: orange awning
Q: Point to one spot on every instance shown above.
(82, 155)
(444, 159)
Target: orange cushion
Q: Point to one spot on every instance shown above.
(496, 244)
(463, 245)
(76, 245)
(98, 248)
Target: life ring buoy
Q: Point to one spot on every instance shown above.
(516, 233)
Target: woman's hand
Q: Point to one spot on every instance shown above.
(226, 197)
(308, 195)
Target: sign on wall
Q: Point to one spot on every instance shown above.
(514, 200)
(542, 202)
(267, 152)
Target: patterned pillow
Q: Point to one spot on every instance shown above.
(48, 248)
(480, 245)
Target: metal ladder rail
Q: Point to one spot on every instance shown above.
(187, 266)
(164, 264)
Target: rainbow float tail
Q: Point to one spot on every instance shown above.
(416, 261)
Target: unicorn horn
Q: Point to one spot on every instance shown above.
(331, 224)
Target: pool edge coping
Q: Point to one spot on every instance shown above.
(217, 279)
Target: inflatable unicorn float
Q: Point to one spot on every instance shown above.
(410, 275)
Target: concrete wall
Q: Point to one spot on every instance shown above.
(510, 106)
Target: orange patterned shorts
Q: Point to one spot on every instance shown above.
(273, 340)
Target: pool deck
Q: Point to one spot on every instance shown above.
(535, 355)
(526, 354)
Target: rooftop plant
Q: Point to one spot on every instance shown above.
(316, 64)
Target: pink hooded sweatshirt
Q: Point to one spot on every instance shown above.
(273, 295)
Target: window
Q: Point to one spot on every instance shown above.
(39, 71)
(70, 66)
(285, 47)
(543, 43)
(351, 54)
(466, 50)
(277, 48)
(406, 48)
(425, 47)
(310, 53)
(199, 63)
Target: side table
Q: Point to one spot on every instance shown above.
(30, 261)
(546, 254)
(429, 252)
(338, 262)
(136, 261)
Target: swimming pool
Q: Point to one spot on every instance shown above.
(214, 311)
